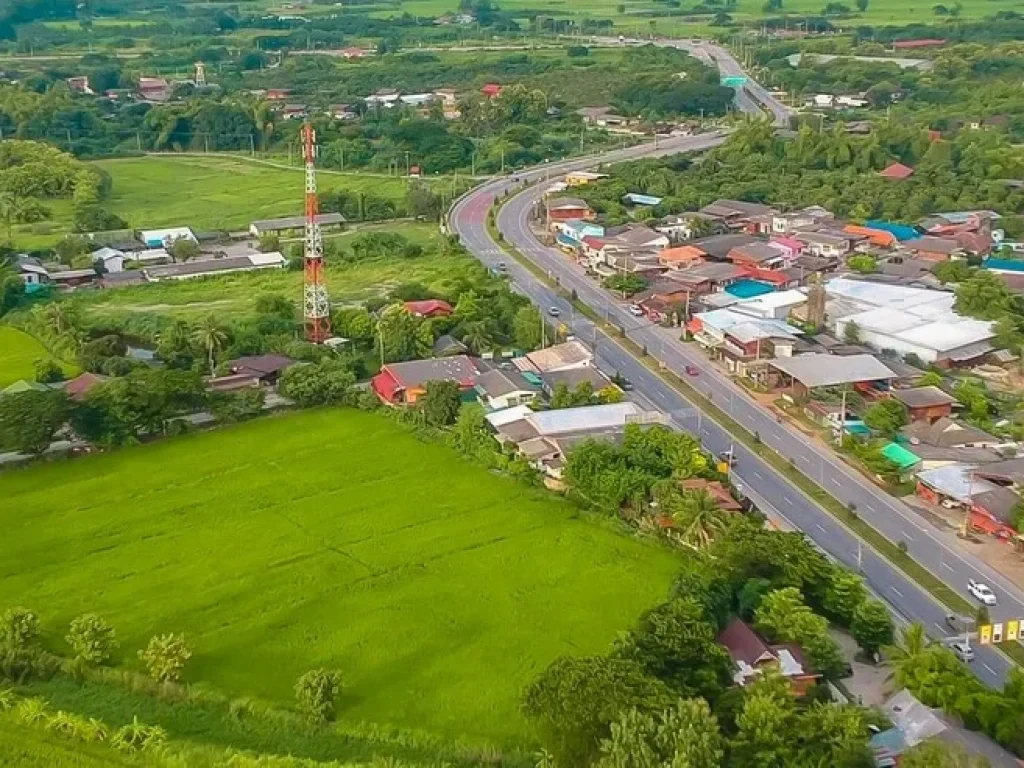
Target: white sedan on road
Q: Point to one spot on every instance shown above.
(981, 592)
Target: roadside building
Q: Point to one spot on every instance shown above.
(499, 389)
(568, 209)
(404, 383)
(582, 178)
(572, 378)
(931, 248)
(805, 373)
(925, 403)
(944, 432)
(567, 356)
(751, 654)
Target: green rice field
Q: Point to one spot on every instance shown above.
(202, 192)
(18, 354)
(328, 538)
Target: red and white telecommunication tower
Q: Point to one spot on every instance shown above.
(316, 307)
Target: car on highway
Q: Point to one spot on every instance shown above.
(502, 266)
(636, 310)
(554, 311)
(981, 592)
(963, 651)
(691, 370)
(728, 457)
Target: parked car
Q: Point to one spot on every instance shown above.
(981, 592)
(554, 311)
(636, 310)
(963, 651)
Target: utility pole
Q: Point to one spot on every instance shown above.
(842, 418)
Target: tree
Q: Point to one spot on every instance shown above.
(862, 263)
(862, 5)
(625, 284)
(581, 394)
(165, 657)
(212, 337)
(695, 515)
(183, 249)
(29, 420)
(684, 736)
(783, 616)
(844, 593)
(175, 346)
(401, 335)
(526, 328)
(576, 699)
(887, 416)
(270, 242)
(47, 371)
(91, 638)
(934, 753)
(316, 692)
(765, 725)
(440, 403)
(19, 628)
(983, 295)
(675, 642)
(851, 332)
(905, 656)
(328, 382)
(872, 626)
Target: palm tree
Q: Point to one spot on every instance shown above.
(905, 655)
(698, 518)
(211, 337)
(476, 336)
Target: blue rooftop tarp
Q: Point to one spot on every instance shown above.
(899, 231)
(1003, 265)
(749, 289)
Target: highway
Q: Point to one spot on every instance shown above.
(932, 548)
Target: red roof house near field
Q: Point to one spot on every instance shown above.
(399, 383)
(78, 387)
(429, 308)
(896, 172)
(491, 90)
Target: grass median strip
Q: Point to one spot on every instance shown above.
(849, 517)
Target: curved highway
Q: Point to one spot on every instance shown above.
(774, 492)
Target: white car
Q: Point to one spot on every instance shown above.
(963, 651)
(981, 592)
(636, 310)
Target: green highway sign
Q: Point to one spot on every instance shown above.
(734, 82)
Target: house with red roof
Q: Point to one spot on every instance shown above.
(751, 654)
(429, 308)
(910, 45)
(404, 383)
(492, 90)
(77, 388)
(896, 172)
(876, 237)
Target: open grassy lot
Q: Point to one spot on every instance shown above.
(18, 354)
(24, 747)
(205, 193)
(328, 538)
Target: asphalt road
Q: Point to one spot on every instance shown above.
(932, 548)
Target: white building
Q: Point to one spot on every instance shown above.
(908, 321)
(162, 238)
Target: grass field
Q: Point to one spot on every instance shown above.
(233, 296)
(329, 538)
(25, 747)
(18, 354)
(204, 193)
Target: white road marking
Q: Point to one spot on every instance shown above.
(757, 474)
(898, 593)
(820, 527)
(786, 499)
(941, 628)
(947, 566)
(986, 666)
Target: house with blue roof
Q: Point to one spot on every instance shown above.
(899, 231)
(635, 198)
(570, 234)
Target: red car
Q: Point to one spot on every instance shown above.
(691, 370)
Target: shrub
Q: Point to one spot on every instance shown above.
(137, 736)
(165, 657)
(47, 371)
(316, 691)
(19, 628)
(91, 638)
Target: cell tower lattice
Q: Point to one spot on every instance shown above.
(316, 307)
